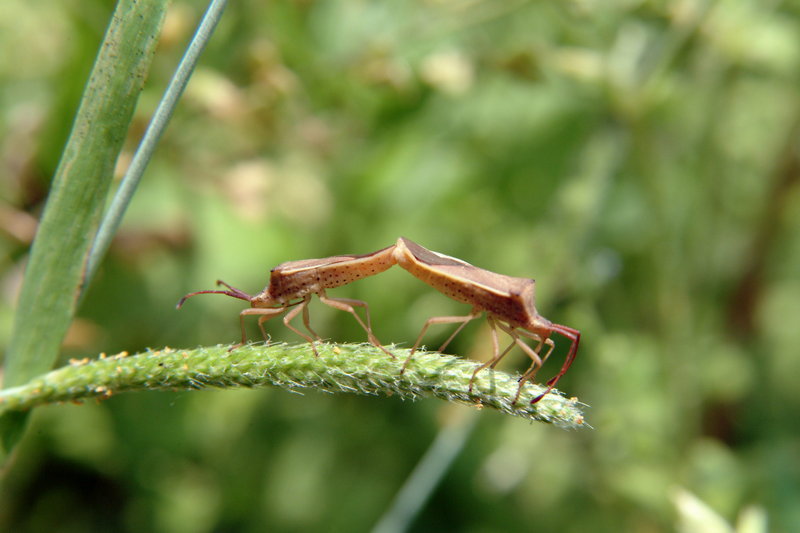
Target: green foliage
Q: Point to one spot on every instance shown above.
(54, 273)
(637, 158)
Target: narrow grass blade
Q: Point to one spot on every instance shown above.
(53, 276)
(161, 116)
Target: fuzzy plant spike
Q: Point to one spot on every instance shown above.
(353, 368)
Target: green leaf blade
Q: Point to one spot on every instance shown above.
(53, 276)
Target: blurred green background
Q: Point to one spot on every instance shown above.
(639, 159)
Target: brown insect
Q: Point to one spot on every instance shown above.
(294, 282)
(507, 301)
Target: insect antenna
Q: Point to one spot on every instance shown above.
(232, 291)
(575, 336)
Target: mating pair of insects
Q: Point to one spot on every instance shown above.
(507, 301)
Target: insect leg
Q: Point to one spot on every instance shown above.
(496, 355)
(536, 364)
(265, 313)
(445, 320)
(292, 314)
(575, 336)
(307, 323)
(441, 320)
(537, 361)
(346, 304)
(510, 346)
(456, 332)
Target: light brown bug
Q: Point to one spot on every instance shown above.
(507, 301)
(294, 282)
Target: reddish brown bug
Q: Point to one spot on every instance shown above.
(507, 301)
(294, 282)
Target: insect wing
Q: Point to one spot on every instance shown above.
(463, 272)
(429, 257)
(298, 278)
(295, 267)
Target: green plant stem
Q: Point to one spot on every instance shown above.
(354, 368)
(427, 475)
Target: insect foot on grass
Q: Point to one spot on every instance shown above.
(507, 301)
(294, 282)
